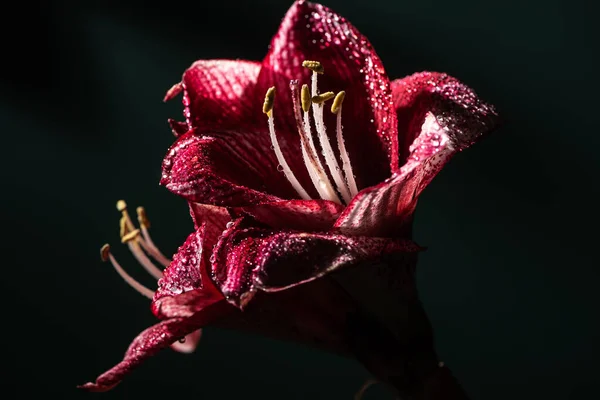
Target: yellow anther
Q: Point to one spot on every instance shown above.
(314, 66)
(130, 236)
(104, 252)
(337, 102)
(305, 98)
(121, 205)
(269, 100)
(123, 227)
(322, 98)
(142, 217)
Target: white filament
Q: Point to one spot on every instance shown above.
(324, 186)
(286, 168)
(344, 155)
(151, 248)
(143, 290)
(330, 159)
(144, 260)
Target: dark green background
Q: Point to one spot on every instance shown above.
(510, 279)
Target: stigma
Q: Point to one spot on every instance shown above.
(339, 185)
(142, 247)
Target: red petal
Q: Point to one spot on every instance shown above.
(153, 339)
(173, 92)
(219, 94)
(312, 32)
(458, 118)
(249, 259)
(223, 171)
(177, 127)
(456, 106)
(189, 342)
(309, 215)
(187, 271)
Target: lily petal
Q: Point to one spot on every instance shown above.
(311, 215)
(152, 340)
(217, 94)
(229, 170)
(455, 105)
(313, 32)
(187, 271)
(449, 118)
(189, 342)
(246, 260)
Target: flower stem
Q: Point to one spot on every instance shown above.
(391, 335)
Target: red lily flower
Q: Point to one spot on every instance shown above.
(279, 204)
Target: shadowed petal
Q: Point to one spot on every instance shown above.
(311, 215)
(450, 118)
(313, 32)
(152, 340)
(249, 259)
(223, 171)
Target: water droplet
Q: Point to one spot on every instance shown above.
(182, 340)
(279, 168)
(229, 224)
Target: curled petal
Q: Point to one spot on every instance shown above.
(152, 340)
(218, 93)
(222, 171)
(313, 32)
(449, 118)
(311, 215)
(246, 260)
(463, 116)
(290, 258)
(189, 343)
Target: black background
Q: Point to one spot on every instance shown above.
(510, 279)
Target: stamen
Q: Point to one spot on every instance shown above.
(107, 255)
(309, 153)
(268, 109)
(336, 108)
(130, 236)
(330, 159)
(322, 98)
(133, 240)
(147, 243)
(142, 258)
(314, 66)
(122, 207)
(337, 102)
(305, 97)
(269, 100)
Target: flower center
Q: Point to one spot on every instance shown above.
(140, 243)
(343, 184)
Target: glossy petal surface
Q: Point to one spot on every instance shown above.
(249, 259)
(449, 118)
(310, 215)
(187, 272)
(313, 32)
(217, 94)
(223, 170)
(152, 340)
